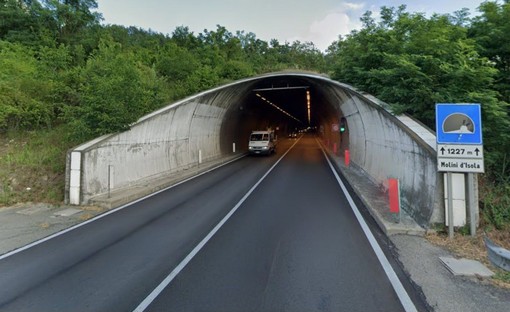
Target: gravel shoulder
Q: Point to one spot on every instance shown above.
(26, 223)
(444, 291)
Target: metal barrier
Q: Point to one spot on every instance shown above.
(499, 256)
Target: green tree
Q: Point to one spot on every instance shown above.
(176, 63)
(26, 89)
(413, 62)
(184, 38)
(223, 41)
(25, 22)
(491, 30)
(72, 17)
(115, 90)
(202, 79)
(304, 55)
(254, 50)
(235, 70)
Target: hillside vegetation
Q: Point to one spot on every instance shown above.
(66, 78)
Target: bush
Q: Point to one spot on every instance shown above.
(495, 204)
(115, 90)
(25, 89)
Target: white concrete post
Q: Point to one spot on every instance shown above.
(450, 204)
(458, 196)
(75, 179)
(110, 179)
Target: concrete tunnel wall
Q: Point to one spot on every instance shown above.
(387, 146)
(169, 140)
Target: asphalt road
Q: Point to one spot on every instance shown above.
(293, 244)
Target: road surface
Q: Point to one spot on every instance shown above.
(260, 234)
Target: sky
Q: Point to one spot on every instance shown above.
(317, 21)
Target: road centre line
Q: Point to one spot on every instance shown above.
(402, 294)
(159, 289)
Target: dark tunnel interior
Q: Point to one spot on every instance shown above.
(283, 103)
(300, 98)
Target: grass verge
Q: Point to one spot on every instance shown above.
(32, 166)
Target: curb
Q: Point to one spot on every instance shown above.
(375, 200)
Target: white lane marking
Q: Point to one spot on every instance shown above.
(155, 293)
(47, 238)
(402, 294)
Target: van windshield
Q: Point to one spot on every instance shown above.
(259, 137)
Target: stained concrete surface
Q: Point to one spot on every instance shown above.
(25, 223)
(444, 291)
(466, 267)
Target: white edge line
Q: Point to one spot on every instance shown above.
(47, 238)
(155, 293)
(402, 294)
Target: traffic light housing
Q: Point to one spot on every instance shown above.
(343, 125)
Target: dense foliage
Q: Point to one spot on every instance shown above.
(59, 65)
(413, 62)
(60, 68)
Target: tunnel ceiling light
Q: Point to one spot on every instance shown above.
(278, 108)
(308, 105)
(282, 88)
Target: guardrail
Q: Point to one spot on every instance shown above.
(499, 256)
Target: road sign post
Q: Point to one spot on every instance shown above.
(471, 204)
(459, 149)
(450, 203)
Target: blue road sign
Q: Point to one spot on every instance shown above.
(458, 123)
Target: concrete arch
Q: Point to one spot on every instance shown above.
(206, 126)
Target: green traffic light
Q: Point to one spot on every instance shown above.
(343, 125)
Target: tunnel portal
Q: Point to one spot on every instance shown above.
(216, 123)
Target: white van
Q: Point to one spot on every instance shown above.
(262, 142)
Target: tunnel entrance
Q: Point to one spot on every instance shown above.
(289, 104)
(215, 125)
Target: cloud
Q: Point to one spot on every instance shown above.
(340, 21)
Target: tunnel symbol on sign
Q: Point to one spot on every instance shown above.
(458, 123)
